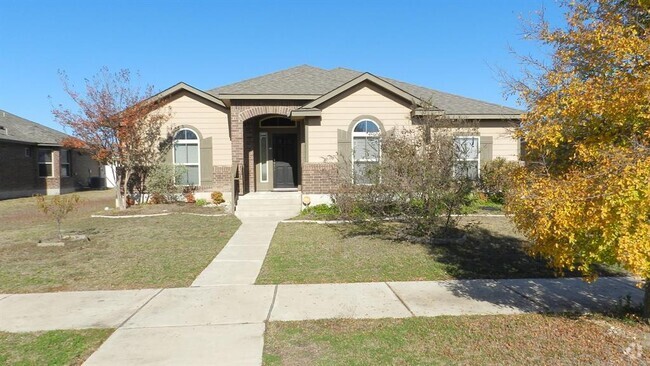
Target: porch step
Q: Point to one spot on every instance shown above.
(269, 204)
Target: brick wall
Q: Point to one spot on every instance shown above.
(222, 178)
(243, 128)
(319, 178)
(19, 173)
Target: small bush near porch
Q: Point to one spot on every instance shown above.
(318, 253)
(123, 253)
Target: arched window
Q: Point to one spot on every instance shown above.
(186, 154)
(366, 150)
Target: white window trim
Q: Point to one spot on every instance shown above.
(45, 163)
(198, 145)
(366, 135)
(264, 164)
(478, 159)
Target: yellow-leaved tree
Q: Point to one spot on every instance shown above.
(583, 196)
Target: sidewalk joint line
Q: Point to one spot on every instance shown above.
(526, 297)
(400, 299)
(140, 308)
(275, 294)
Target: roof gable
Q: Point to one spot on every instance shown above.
(366, 77)
(186, 87)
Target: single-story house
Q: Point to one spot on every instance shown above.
(33, 160)
(280, 131)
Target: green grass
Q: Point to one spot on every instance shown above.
(320, 212)
(465, 340)
(481, 206)
(164, 251)
(316, 253)
(58, 347)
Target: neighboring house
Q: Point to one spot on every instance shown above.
(280, 131)
(33, 161)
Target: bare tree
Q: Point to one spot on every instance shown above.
(118, 123)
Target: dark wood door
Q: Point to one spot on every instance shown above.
(285, 160)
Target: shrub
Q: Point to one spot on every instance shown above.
(416, 180)
(495, 178)
(161, 183)
(57, 207)
(217, 198)
(322, 211)
(201, 202)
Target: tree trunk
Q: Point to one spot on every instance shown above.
(646, 299)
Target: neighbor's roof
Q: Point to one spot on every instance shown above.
(14, 128)
(310, 82)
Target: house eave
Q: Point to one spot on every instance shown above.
(485, 116)
(311, 112)
(269, 96)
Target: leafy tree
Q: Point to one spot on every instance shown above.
(118, 123)
(583, 197)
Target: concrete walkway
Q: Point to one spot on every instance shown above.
(240, 261)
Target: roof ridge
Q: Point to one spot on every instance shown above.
(265, 75)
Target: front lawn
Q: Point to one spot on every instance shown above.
(123, 253)
(317, 253)
(58, 347)
(463, 340)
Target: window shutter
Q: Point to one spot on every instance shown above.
(486, 149)
(344, 153)
(206, 162)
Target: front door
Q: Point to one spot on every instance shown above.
(285, 160)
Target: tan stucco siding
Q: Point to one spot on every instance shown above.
(503, 144)
(211, 121)
(365, 101)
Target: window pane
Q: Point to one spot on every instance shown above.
(192, 154)
(366, 148)
(65, 170)
(360, 127)
(192, 174)
(180, 135)
(363, 172)
(466, 169)
(45, 156)
(371, 127)
(359, 148)
(189, 135)
(264, 172)
(180, 153)
(64, 156)
(45, 170)
(467, 147)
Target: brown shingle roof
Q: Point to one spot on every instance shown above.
(22, 130)
(309, 80)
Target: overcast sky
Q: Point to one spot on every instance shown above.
(455, 46)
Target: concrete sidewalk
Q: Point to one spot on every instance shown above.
(227, 322)
(239, 304)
